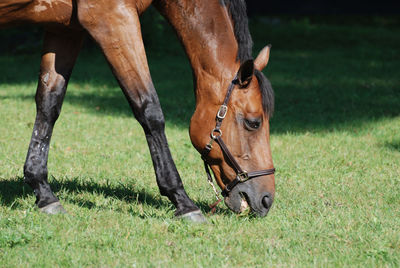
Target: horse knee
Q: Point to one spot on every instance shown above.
(151, 118)
(52, 82)
(50, 94)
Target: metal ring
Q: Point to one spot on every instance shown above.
(244, 176)
(216, 130)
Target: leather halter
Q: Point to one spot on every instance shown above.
(216, 135)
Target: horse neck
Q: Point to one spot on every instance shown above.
(206, 32)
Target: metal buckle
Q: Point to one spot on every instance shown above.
(244, 176)
(216, 130)
(222, 112)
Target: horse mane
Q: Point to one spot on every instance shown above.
(268, 97)
(237, 10)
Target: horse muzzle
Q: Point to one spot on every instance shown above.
(249, 194)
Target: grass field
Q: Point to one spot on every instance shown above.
(334, 137)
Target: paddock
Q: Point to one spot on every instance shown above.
(334, 138)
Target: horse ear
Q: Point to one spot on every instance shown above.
(245, 73)
(262, 58)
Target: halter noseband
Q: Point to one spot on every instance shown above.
(216, 135)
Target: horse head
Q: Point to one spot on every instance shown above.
(231, 131)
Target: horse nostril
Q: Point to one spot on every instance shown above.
(266, 201)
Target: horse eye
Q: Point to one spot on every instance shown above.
(252, 124)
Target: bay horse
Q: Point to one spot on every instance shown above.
(234, 100)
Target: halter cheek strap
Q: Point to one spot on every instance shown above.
(216, 135)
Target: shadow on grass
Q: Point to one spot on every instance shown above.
(96, 87)
(12, 189)
(15, 188)
(393, 145)
(332, 79)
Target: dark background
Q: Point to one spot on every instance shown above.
(27, 38)
(327, 7)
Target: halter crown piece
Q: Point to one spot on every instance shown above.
(216, 135)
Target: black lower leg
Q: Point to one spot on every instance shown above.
(169, 182)
(49, 99)
(59, 54)
(35, 168)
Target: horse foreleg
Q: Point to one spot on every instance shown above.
(58, 58)
(117, 31)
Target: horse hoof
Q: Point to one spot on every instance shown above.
(53, 209)
(194, 216)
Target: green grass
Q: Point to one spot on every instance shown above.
(335, 143)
